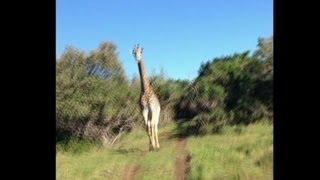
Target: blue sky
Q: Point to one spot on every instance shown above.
(177, 35)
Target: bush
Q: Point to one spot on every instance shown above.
(94, 99)
(234, 89)
(169, 92)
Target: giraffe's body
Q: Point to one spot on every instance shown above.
(149, 102)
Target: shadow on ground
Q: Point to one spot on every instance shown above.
(128, 151)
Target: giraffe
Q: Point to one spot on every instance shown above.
(149, 103)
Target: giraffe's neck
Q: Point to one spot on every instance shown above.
(145, 84)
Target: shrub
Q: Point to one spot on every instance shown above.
(93, 96)
(234, 89)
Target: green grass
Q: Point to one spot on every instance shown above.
(237, 153)
(111, 163)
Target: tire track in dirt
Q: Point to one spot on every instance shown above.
(132, 170)
(182, 161)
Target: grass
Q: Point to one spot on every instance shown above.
(240, 152)
(111, 163)
(236, 153)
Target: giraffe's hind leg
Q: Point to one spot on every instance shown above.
(145, 113)
(156, 128)
(151, 135)
(154, 121)
(156, 136)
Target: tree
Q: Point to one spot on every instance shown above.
(265, 49)
(93, 95)
(235, 89)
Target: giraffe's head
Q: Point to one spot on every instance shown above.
(137, 52)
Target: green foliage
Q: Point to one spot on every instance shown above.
(92, 93)
(95, 100)
(169, 92)
(76, 146)
(232, 95)
(265, 51)
(230, 90)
